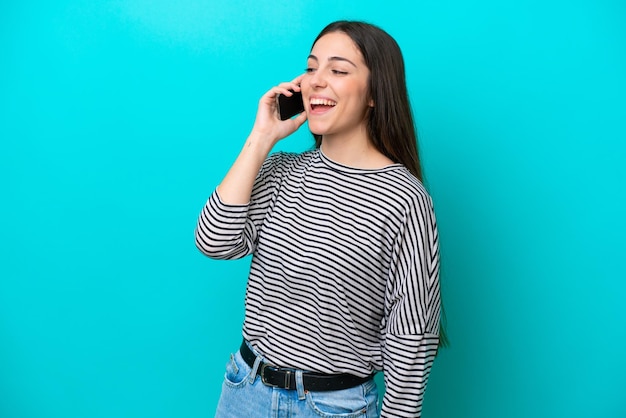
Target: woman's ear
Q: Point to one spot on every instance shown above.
(371, 103)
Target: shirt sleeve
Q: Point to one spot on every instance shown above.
(226, 231)
(412, 306)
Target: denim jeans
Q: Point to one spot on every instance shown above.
(245, 396)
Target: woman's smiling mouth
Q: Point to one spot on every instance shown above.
(321, 105)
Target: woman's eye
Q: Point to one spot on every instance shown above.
(309, 70)
(339, 72)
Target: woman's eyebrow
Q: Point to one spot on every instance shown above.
(313, 57)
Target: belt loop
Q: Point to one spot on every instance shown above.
(300, 385)
(255, 369)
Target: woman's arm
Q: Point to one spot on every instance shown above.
(413, 309)
(268, 129)
(225, 229)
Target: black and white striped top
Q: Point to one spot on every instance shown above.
(345, 270)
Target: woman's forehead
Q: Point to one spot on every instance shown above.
(336, 45)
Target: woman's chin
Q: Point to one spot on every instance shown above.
(316, 129)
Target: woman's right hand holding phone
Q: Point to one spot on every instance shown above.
(268, 129)
(268, 124)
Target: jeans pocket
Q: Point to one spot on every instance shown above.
(356, 402)
(237, 371)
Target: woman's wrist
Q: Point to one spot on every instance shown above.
(260, 142)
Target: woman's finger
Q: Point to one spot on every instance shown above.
(296, 81)
(283, 88)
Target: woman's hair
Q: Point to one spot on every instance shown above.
(390, 122)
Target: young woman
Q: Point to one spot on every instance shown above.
(344, 279)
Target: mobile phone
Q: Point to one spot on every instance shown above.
(289, 106)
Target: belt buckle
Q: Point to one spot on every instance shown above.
(286, 383)
(262, 374)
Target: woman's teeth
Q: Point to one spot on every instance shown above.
(322, 102)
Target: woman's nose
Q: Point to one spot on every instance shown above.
(317, 80)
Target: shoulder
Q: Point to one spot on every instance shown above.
(282, 161)
(409, 190)
(282, 164)
(283, 157)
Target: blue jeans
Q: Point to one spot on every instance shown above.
(245, 396)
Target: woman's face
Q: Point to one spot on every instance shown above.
(335, 87)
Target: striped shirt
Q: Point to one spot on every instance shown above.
(344, 274)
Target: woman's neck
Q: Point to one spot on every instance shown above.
(356, 151)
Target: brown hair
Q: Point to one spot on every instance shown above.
(390, 122)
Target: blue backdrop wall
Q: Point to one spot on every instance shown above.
(118, 118)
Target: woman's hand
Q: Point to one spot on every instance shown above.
(267, 124)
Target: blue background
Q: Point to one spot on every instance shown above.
(118, 118)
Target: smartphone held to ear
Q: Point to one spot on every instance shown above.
(289, 106)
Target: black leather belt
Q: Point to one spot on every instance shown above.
(284, 378)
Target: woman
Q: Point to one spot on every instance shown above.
(344, 279)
